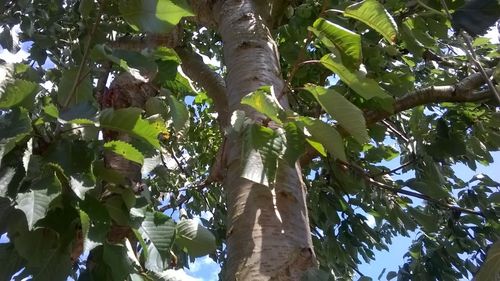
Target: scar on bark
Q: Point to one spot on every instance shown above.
(249, 45)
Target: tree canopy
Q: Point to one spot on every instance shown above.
(126, 180)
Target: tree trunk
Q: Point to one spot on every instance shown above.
(268, 229)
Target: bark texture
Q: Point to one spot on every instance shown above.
(268, 235)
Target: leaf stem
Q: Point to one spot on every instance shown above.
(84, 59)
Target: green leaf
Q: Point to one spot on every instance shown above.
(86, 7)
(264, 101)
(81, 113)
(157, 16)
(115, 256)
(159, 232)
(428, 221)
(35, 203)
(347, 114)
(373, 14)
(346, 41)
(129, 120)
(262, 147)
(295, 143)
(391, 275)
(80, 185)
(318, 146)
(178, 113)
(365, 87)
(125, 150)
(198, 240)
(134, 62)
(85, 224)
(315, 274)
(18, 93)
(155, 105)
(83, 91)
(42, 250)
(10, 260)
(14, 126)
(168, 275)
(490, 270)
(326, 135)
(100, 222)
(117, 210)
(429, 187)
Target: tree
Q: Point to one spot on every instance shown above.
(284, 144)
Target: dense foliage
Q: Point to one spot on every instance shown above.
(368, 83)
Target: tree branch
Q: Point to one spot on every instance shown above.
(359, 170)
(194, 67)
(463, 91)
(460, 92)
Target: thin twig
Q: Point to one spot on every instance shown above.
(383, 173)
(84, 59)
(395, 131)
(301, 56)
(394, 190)
(178, 163)
(472, 55)
(185, 197)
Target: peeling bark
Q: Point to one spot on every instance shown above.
(268, 234)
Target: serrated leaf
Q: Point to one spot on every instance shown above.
(129, 120)
(125, 150)
(373, 14)
(346, 41)
(157, 16)
(178, 113)
(35, 203)
(347, 114)
(326, 135)
(18, 93)
(83, 90)
(263, 101)
(158, 231)
(198, 240)
(365, 87)
(262, 148)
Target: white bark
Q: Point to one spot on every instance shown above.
(268, 234)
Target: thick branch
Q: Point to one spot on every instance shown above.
(194, 67)
(461, 92)
(150, 40)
